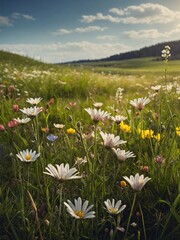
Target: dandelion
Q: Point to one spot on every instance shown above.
(61, 172)
(114, 208)
(137, 182)
(122, 155)
(139, 103)
(79, 210)
(110, 140)
(34, 101)
(22, 121)
(32, 111)
(70, 131)
(28, 156)
(97, 115)
(117, 119)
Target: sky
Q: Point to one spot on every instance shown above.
(57, 31)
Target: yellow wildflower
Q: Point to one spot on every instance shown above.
(157, 137)
(71, 131)
(123, 183)
(147, 133)
(178, 131)
(124, 127)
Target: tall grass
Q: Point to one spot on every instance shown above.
(32, 203)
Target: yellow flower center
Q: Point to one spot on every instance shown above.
(80, 214)
(113, 210)
(28, 157)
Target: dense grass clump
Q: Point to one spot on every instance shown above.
(72, 137)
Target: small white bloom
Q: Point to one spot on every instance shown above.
(140, 102)
(61, 172)
(117, 119)
(98, 104)
(80, 161)
(23, 120)
(28, 156)
(33, 101)
(122, 155)
(97, 115)
(137, 182)
(79, 210)
(114, 208)
(156, 88)
(32, 111)
(110, 140)
(59, 126)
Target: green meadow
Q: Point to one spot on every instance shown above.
(89, 151)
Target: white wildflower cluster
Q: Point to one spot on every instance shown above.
(166, 53)
(118, 96)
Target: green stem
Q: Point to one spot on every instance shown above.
(144, 228)
(129, 219)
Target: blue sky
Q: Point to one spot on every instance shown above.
(66, 30)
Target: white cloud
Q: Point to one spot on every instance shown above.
(106, 37)
(152, 33)
(64, 31)
(63, 52)
(147, 13)
(17, 15)
(5, 21)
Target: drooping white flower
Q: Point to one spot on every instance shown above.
(32, 111)
(34, 101)
(97, 115)
(79, 210)
(140, 102)
(110, 140)
(122, 155)
(23, 120)
(61, 172)
(58, 125)
(137, 182)
(28, 156)
(118, 118)
(114, 208)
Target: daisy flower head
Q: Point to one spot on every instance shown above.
(114, 208)
(122, 155)
(28, 156)
(137, 182)
(79, 210)
(32, 111)
(61, 172)
(97, 115)
(22, 121)
(34, 101)
(140, 103)
(117, 119)
(111, 141)
(98, 104)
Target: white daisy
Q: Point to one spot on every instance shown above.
(61, 172)
(97, 115)
(117, 119)
(137, 182)
(122, 155)
(33, 101)
(79, 210)
(28, 156)
(23, 120)
(110, 140)
(140, 102)
(114, 208)
(32, 111)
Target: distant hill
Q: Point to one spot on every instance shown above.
(152, 51)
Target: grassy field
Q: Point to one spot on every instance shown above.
(87, 116)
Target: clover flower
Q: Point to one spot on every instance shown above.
(32, 111)
(97, 115)
(139, 103)
(79, 210)
(61, 172)
(110, 140)
(137, 182)
(114, 208)
(33, 101)
(122, 155)
(28, 156)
